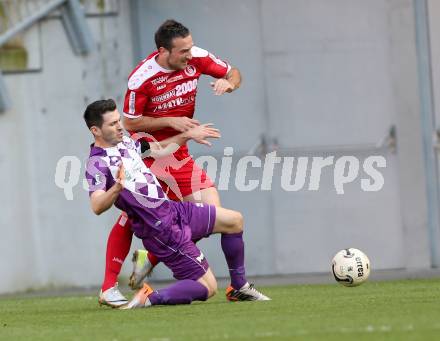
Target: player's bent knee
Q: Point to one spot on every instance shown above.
(207, 286)
(240, 222)
(213, 289)
(236, 222)
(228, 221)
(209, 282)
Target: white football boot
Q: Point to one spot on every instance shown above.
(112, 297)
(141, 269)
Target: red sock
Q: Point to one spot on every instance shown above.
(152, 258)
(118, 246)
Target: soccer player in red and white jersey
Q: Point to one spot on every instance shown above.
(160, 100)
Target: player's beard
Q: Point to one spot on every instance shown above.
(113, 138)
(119, 136)
(178, 65)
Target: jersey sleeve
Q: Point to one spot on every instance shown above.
(134, 103)
(97, 174)
(210, 64)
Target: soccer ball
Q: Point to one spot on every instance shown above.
(351, 267)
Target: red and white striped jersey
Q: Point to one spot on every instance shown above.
(157, 92)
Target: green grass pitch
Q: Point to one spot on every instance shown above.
(395, 310)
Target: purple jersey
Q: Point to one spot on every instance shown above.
(166, 228)
(142, 197)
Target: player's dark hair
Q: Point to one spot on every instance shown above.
(95, 110)
(169, 30)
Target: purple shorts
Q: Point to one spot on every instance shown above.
(174, 244)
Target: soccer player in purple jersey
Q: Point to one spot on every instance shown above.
(117, 176)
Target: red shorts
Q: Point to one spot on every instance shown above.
(178, 174)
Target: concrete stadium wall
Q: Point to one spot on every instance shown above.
(320, 79)
(46, 239)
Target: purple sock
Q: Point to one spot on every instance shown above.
(233, 248)
(181, 292)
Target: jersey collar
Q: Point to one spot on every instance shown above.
(156, 65)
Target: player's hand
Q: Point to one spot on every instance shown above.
(120, 177)
(203, 132)
(182, 124)
(220, 86)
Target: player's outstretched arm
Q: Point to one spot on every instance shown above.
(229, 83)
(200, 134)
(101, 200)
(150, 124)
